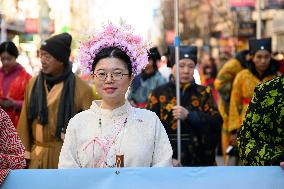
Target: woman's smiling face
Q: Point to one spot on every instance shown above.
(112, 79)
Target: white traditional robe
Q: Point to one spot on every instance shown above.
(142, 139)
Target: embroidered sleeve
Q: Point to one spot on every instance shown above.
(208, 114)
(11, 148)
(3, 174)
(207, 120)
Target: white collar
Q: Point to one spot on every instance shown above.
(112, 113)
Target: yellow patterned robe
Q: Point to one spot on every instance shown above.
(242, 93)
(223, 84)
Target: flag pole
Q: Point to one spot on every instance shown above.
(177, 45)
(258, 21)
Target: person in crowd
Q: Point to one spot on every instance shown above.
(11, 148)
(51, 99)
(13, 81)
(261, 137)
(262, 67)
(149, 79)
(112, 133)
(210, 72)
(164, 69)
(198, 113)
(223, 84)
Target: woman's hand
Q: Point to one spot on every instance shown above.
(180, 112)
(176, 163)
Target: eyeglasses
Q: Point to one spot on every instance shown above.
(115, 76)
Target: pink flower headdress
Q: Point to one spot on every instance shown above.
(121, 37)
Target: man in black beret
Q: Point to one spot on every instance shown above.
(260, 68)
(51, 99)
(200, 119)
(185, 52)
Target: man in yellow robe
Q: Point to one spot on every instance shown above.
(261, 68)
(51, 99)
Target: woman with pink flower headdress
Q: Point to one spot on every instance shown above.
(112, 133)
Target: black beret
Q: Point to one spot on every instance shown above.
(259, 44)
(59, 46)
(185, 51)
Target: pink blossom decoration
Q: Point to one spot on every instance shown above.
(121, 37)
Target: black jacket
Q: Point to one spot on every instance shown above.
(201, 130)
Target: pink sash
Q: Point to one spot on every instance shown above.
(105, 144)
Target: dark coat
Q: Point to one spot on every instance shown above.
(200, 131)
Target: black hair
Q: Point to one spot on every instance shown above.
(113, 52)
(155, 56)
(10, 48)
(155, 67)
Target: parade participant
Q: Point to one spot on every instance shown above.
(223, 84)
(209, 71)
(51, 99)
(149, 79)
(261, 138)
(13, 81)
(200, 119)
(11, 149)
(163, 68)
(261, 68)
(112, 133)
